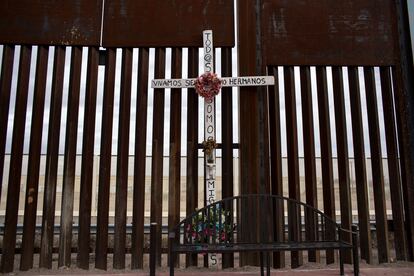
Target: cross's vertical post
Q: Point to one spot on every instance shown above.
(209, 127)
(209, 121)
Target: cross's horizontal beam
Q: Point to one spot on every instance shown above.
(226, 82)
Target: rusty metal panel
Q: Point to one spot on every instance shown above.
(160, 23)
(326, 32)
(69, 22)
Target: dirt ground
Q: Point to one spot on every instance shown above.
(311, 269)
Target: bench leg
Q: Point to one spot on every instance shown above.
(356, 260)
(261, 264)
(341, 261)
(355, 250)
(268, 263)
(172, 264)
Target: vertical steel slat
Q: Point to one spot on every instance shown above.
(406, 161)
(85, 200)
(276, 178)
(343, 161)
(139, 162)
(404, 85)
(192, 142)
(227, 125)
(5, 90)
(309, 155)
(227, 139)
(105, 162)
(157, 151)
(32, 183)
(66, 219)
(253, 134)
(393, 164)
(326, 150)
(376, 165)
(174, 190)
(360, 166)
(13, 191)
(122, 161)
(49, 198)
(293, 160)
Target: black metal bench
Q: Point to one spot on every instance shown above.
(256, 223)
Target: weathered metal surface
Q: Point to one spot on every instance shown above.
(376, 165)
(101, 250)
(402, 106)
(5, 91)
(51, 22)
(192, 145)
(174, 190)
(32, 184)
(122, 161)
(160, 23)
(13, 190)
(393, 164)
(309, 155)
(293, 162)
(353, 32)
(157, 152)
(360, 166)
(68, 190)
(85, 202)
(137, 247)
(249, 100)
(326, 150)
(276, 174)
(49, 199)
(342, 152)
(405, 105)
(227, 138)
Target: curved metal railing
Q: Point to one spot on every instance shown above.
(258, 218)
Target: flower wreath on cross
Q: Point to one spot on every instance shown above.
(208, 85)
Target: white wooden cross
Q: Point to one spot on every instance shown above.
(209, 109)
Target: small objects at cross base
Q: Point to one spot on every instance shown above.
(208, 147)
(208, 85)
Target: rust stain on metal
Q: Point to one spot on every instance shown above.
(159, 23)
(329, 32)
(44, 22)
